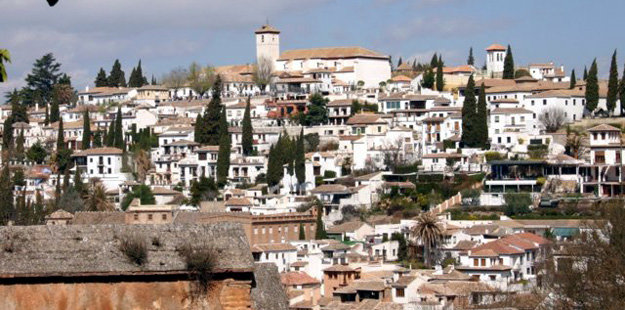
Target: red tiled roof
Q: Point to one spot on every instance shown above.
(297, 278)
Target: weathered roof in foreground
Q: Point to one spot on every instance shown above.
(83, 250)
(268, 294)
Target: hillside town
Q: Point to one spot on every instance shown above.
(319, 178)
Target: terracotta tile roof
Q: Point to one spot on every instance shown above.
(208, 148)
(340, 103)
(297, 278)
(273, 247)
(234, 201)
(365, 119)
(331, 188)
(99, 151)
(297, 80)
(331, 53)
(401, 78)
(504, 100)
(603, 127)
(340, 268)
(496, 47)
(60, 214)
(511, 111)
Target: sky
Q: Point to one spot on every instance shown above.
(85, 35)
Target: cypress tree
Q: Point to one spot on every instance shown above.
(621, 92)
(440, 82)
(7, 138)
(302, 233)
(60, 139)
(223, 158)
(247, 140)
(612, 85)
(508, 65)
(428, 79)
(468, 114)
(46, 120)
(79, 186)
(272, 164)
(399, 62)
(585, 77)
(101, 80)
(573, 80)
(54, 111)
(592, 88)
(434, 61)
(470, 60)
(7, 210)
(132, 80)
(320, 231)
(110, 135)
(212, 115)
(19, 146)
(300, 160)
(86, 130)
(97, 139)
(481, 126)
(197, 129)
(153, 82)
(118, 141)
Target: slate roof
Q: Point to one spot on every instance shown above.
(75, 250)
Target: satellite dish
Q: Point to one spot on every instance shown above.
(52, 2)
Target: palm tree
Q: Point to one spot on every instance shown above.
(428, 232)
(96, 199)
(5, 57)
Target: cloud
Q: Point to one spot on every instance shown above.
(450, 27)
(87, 34)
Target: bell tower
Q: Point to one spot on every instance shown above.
(267, 43)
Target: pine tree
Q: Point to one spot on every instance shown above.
(101, 80)
(621, 92)
(592, 88)
(434, 61)
(223, 157)
(429, 78)
(573, 80)
(320, 231)
(508, 65)
(300, 160)
(118, 141)
(440, 81)
(470, 60)
(7, 210)
(612, 85)
(117, 77)
(302, 233)
(481, 120)
(86, 130)
(469, 114)
(247, 139)
(585, 77)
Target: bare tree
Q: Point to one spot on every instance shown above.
(201, 79)
(261, 74)
(552, 118)
(575, 142)
(175, 79)
(142, 164)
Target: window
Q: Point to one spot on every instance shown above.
(493, 277)
(544, 101)
(399, 292)
(149, 217)
(164, 217)
(476, 262)
(496, 118)
(136, 216)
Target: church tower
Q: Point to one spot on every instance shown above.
(495, 55)
(267, 43)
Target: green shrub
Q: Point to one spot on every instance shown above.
(200, 260)
(517, 203)
(135, 248)
(491, 156)
(329, 174)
